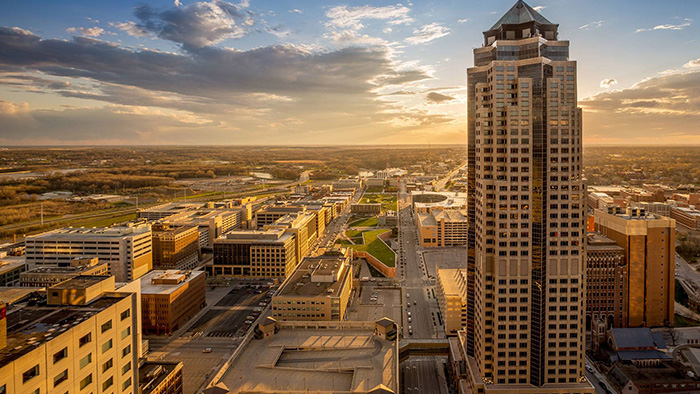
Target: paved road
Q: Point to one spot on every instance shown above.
(419, 374)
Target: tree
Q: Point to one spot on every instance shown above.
(672, 334)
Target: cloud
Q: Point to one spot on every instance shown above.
(92, 20)
(428, 33)
(465, 20)
(592, 25)
(177, 3)
(86, 31)
(351, 37)
(344, 17)
(652, 110)
(692, 64)
(281, 93)
(539, 8)
(606, 83)
(296, 11)
(196, 25)
(438, 98)
(131, 28)
(687, 22)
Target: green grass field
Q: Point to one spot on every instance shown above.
(364, 222)
(388, 201)
(377, 248)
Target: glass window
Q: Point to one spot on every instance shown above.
(127, 384)
(106, 366)
(87, 338)
(107, 383)
(126, 314)
(126, 350)
(60, 378)
(107, 326)
(126, 332)
(126, 368)
(60, 355)
(86, 382)
(106, 346)
(85, 360)
(30, 373)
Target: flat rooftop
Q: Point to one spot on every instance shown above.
(11, 262)
(97, 232)
(596, 241)
(29, 326)
(149, 288)
(153, 373)
(348, 359)
(254, 236)
(301, 284)
(449, 279)
(449, 215)
(172, 207)
(80, 282)
(65, 270)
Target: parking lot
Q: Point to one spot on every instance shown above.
(385, 303)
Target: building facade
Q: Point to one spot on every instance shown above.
(452, 299)
(80, 339)
(175, 247)
(253, 253)
(318, 290)
(440, 228)
(606, 282)
(170, 298)
(528, 197)
(126, 249)
(46, 276)
(11, 269)
(648, 242)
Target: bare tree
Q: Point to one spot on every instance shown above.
(673, 334)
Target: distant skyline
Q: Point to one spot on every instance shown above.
(323, 73)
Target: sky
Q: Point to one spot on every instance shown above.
(281, 72)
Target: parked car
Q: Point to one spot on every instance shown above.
(207, 350)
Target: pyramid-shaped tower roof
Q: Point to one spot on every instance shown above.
(521, 12)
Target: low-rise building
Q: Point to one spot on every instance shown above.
(687, 217)
(126, 249)
(442, 227)
(319, 289)
(48, 275)
(366, 209)
(452, 299)
(317, 357)
(163, 211)
(271, 213)
(253, 253)
(170, 298)
(11, 269)
(78, 337)
(210, 222)
(160, 377)
(175, 247)
(606, 282)
(426, 201)
(303, 225)
(657, 208)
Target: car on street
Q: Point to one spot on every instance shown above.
(408, 295)
(207, 350)
(415, 303)
(409, 319)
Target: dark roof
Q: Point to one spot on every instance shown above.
(520, 13)
(219, 388)
(385, 322)
(639, 337)
(627, 355)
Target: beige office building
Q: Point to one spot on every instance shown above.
(81, 340)
(252, 253)
(526, 212)
(46, 275)
(303, 226)
(175, 247)
(648, 242)
(127, 249)
(451, 293)
(318, 290)
(443, 227)
(170, 298)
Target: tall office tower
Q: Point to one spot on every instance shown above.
(648, 242)
(528, 200)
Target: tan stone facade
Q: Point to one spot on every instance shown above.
(606, 282)
(648, 243)
(169, 299)
(451, 293)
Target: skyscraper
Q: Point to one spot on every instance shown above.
(526, 207)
